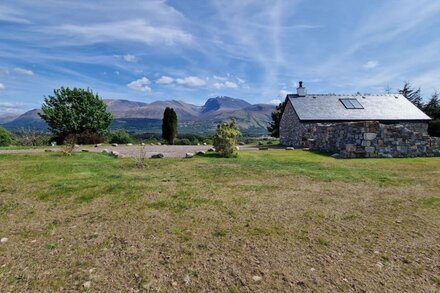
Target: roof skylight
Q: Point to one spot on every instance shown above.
(351, 103)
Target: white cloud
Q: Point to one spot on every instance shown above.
(2, 86)
(136, 30)
(192, 81)
(283, 94)
(275, 102)
(370, 64)
(227, 84)
(140, 85)
(165, 80)
(23, 71)
(130, 58)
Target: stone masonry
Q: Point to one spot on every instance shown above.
(371, 139)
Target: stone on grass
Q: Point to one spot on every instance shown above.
(189, 155)
(142, 144)
(129, 144)
(157, 156)
(87, 284)
(200, 153)
(114, 144)
(4, 240)
(211, 150)
(290, 148)
(105, 151)
(257, 278)
(117, 154)
(85, 151)
(98, 145)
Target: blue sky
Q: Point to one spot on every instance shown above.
(192, 50)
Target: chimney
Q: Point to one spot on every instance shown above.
(301, 91)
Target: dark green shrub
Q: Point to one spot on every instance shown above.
(182, 141)
(120, 136)
(6, 138)
(434, 128)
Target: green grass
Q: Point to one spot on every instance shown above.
(216, 222)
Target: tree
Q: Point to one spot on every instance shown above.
(412, 95)
(6, 138)
(225, 139)
(72, 112)
(274, 126)
(169, 125)
(432, 108)
(120, 136)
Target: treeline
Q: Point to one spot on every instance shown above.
(430, 108)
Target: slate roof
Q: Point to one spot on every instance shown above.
(389, 107)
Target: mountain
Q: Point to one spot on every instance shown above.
(147, 117)
(223, 104)
(7, 117)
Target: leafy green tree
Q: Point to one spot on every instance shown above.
(413, 95)
(71, 112)
(225, 139)
(6, 138)
(169, 125)
(120, 136)
(432, 108)
(274, 126)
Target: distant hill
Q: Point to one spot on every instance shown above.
(147, 117)
(7, 117)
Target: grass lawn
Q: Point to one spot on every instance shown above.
(266, 221)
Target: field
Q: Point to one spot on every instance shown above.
(266, 221)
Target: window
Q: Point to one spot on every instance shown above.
(351, 103)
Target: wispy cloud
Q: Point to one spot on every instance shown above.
(23, 71)
(370, 64)
(130, 58)
(2, 86)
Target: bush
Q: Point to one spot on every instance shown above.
(182, 141)
(225, 139)
(434, 128)
(120, 136)
(28, 137)
(6, 138)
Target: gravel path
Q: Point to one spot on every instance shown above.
(170, 151)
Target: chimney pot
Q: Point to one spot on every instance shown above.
(301, 91)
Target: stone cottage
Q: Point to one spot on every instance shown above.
(387, 125)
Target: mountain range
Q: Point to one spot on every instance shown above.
(147, 117)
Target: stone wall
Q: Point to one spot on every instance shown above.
(372, 139)
(292, 130)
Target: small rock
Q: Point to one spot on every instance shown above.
(257, 278)
(211, 150)
(4, 240)
(312, 269)
(376, 252)
(98, 145)
(336, 156)
(85, 151)
(105, 151)
(87, 284)
(129, 144)
(189, 155)
(290, 148)
(117, 155)
(114, 144)
(142, 144)
(204, 143)
(200, 153)
(158, 156)
(187, 280)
